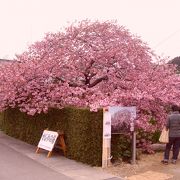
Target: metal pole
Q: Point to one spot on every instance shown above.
(133, 147)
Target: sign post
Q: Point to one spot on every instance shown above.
(132, 123)
(106, 151)
(133, 161)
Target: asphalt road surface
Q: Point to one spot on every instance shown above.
(15, 166)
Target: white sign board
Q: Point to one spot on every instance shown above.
(106, 125)
(48, 140)
(106, 151)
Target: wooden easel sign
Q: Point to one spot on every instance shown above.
(47, 141)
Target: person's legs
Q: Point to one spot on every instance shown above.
(176, 146)
(168, 148)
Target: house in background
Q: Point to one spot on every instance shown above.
(5, 61)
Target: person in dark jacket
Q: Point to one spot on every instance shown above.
(173, 124)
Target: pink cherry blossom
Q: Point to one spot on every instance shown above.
(94, 65)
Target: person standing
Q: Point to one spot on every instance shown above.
(173, 125)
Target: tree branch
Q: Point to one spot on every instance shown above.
(97, 81)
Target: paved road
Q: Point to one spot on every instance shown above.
(18, 161)
(16, 166)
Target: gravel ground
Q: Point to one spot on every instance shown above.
(149, 167)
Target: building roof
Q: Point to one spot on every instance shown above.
(5, 60)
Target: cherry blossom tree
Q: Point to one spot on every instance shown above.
(90, 64)
(120, 121)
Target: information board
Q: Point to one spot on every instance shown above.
(48, 140)
(122, 119)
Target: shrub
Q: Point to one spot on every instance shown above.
(82, 128)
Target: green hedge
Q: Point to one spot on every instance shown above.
(82, 128)
(121, 148)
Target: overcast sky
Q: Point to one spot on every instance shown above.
(26, 21)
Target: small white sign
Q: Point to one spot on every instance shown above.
(48, 140)
(107, 125)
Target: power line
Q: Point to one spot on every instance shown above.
(167, 38)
